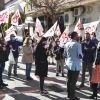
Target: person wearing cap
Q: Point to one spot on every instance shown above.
(13, 44)
(73, 54)
(88, 50)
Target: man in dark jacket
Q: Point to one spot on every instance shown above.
(13, 44)
(88, 50)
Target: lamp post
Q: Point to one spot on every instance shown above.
(29, 22)
(45, 24)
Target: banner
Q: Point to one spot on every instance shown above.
(77, 27)
(58, 32)
(35, 35)
(4, 16)
(15, 18)
(64, 37)
(90, 27)
(10, 31)
(51, 31)
(38, 27)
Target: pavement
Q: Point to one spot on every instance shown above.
(21, 89)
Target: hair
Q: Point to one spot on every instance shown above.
(26, 41)
(94, 34)
(41, 40)
(12, 34)
(72, 34)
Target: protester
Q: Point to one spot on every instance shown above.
(96, 73)
(41, 63)
(88, 50)
(73, 54)
(51, 48)
(93, 38)
(57, 53)
(27, 57)
(13, 44)
(3, 59)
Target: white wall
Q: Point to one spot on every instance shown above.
(94, 16)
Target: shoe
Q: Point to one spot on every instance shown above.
(77, 88)
(1, 87)
(68, 96)
(93, 96)
(57, 74)
(15, 75)
(81, 85)
(29, 78)
(3, 84)
(62, 75)
(44, 93)
(18, 66)
(75, 98)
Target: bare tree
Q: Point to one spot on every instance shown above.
(50, 7)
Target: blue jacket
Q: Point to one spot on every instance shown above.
(15, 44)
(88, 54)
(72, 51)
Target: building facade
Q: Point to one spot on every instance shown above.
(1, 5)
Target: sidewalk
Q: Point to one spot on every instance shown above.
(21, 89)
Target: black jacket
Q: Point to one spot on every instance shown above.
(57, 52)
(3, 54)
(97, 61)
(88, 54)
(41, 62)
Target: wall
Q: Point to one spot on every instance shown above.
(1, 5)
(93, 16)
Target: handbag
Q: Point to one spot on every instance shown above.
(11, 58)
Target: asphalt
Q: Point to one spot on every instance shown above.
(21, 89)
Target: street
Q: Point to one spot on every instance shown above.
(21, 89)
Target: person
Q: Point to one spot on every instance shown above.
(27, 57)
(88, 50)
(93, 38)
(73, 54)
(96, 73)
(3, 59)
(13, 44)
(41, 63)
(57, 57)
(51, 48)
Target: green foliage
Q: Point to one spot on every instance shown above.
(8, 25)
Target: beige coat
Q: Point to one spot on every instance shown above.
(28, 55)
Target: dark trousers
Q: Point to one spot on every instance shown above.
(2, 66)
(41, 83)
(72, 79)
(84, 66)
(95, 89)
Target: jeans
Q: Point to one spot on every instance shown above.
(15, 67)
(2, 66)
(71, 84)
(41, 83)
(28, 69)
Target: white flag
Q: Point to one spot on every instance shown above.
(38, 27)
(35, 35)
(4, 16)
(15, 18)
(51, 31)
(77, 27)
(64, 37)
(58, 32)
(10, 31)
(90, 27)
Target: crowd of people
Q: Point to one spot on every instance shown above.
(48, 50)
